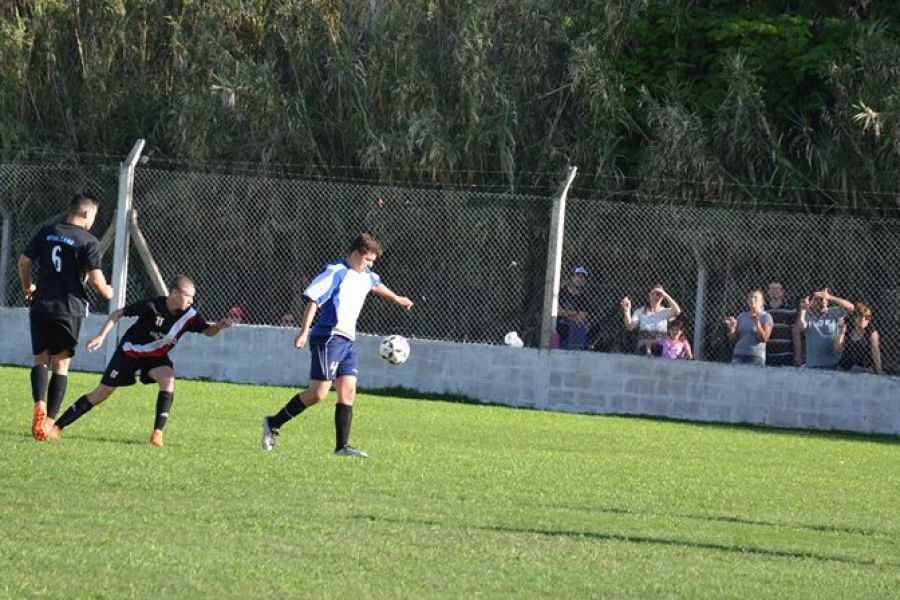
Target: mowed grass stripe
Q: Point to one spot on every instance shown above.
(455, 500)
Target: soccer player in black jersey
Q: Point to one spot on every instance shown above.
(63, 254)
(145, 348)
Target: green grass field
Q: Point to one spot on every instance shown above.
(456, 500)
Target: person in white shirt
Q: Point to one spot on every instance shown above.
(650, 320)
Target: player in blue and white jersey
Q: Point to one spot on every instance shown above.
(340, 290)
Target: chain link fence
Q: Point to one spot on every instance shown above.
(629, 248)
(471, 262)
(32, 196)
(474, 263)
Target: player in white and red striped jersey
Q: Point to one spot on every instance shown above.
(145, 348)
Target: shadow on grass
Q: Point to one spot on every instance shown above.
(84, 438)
(729, 519)
(638, 539)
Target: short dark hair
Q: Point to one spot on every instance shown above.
(365, 243)
(179, 280)
(81, 201)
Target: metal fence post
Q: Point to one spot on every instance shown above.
(554, 259)
(120, 249)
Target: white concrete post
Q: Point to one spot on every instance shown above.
(699, 302)
(554, 259)
(5, 248)
(120, 248)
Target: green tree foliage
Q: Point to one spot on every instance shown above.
(746, 103)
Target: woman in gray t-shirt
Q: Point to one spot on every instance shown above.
(751, 329)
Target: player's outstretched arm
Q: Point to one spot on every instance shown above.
(218, 326)
(98, 281)
(401, 301)
(28, 286)
(97, 341)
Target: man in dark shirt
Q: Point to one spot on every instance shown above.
(572, 318)
(145, 348)
(780, 346)
(63, 254)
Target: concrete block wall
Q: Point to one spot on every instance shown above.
(581, 382)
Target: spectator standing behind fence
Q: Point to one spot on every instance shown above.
(750, 331)
(780, 347)
(651, 320)
(857, 344)
(572, 320)
(235, 314)
(818, 324)
(674, 344)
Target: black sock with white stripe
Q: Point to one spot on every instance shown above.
(81, 406)
(163, 404)
(290, 410)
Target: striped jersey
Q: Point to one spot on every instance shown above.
(781, 342)
(340, 292)
(157, 330)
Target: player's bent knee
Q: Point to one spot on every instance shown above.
(164, 377)
(100, 394)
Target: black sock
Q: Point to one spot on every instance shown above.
(39, 383)
(290, 410)
(163, 404)
(56, 393)
(81, 406)
(343, 417)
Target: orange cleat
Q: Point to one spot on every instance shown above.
(156, 438)
(53, 433)
(37, 421)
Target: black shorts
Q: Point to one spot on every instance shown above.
(57, 334)
(122, 369)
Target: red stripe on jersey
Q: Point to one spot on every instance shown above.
(160, 347)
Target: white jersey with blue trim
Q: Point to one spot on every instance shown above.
(340, 293)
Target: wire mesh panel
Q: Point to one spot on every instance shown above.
(629, 248)
(472, 263)
(36, 195)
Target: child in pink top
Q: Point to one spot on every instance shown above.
(674, 344)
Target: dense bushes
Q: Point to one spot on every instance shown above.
(736, 103)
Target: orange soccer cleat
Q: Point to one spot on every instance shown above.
(156, 438)
(37, 421)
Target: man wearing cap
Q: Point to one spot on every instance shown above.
(572, 317)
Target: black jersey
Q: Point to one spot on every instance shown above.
(157, 330)
(62, 254)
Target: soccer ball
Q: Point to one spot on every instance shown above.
(394, 349)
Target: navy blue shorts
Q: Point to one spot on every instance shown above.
(332, 357)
